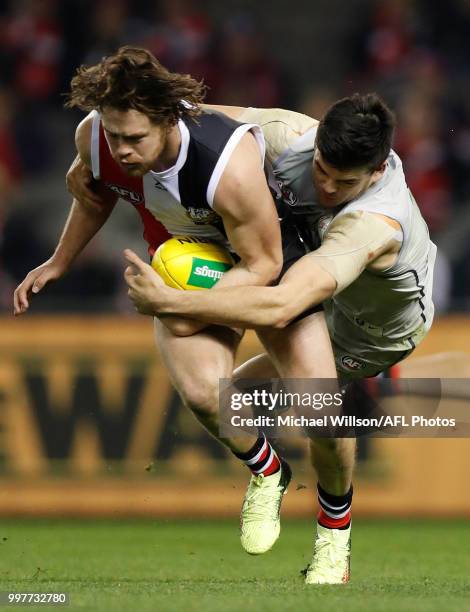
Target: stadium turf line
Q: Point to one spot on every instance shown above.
(175, 566)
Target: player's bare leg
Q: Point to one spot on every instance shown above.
(195, 364)
(334, 459)
(260, 516)
(303, 350)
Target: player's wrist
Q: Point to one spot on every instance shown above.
(164, 300)
(60, 261)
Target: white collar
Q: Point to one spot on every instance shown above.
(182, 155)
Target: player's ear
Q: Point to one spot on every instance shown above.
(378, 173)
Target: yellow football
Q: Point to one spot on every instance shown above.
(189, 262)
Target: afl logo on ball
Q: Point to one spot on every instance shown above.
(350, 363)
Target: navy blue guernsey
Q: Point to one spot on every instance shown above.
(209, 134)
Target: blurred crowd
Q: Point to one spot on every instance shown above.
(415, 53)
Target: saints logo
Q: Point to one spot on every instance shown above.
(202, 216)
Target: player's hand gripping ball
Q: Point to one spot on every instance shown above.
(187, 262)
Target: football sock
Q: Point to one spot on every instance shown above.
(335, 510)
(261, 458)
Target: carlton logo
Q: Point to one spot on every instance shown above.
(134, 197)
(323, 224)
(352, 364)
(287, 194)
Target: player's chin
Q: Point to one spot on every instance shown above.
(133, 169)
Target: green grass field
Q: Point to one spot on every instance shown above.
(165, 566)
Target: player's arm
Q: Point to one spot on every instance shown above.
(81, 184)
(387, 256)
(84, 220)
(249, 306)
(79, 178)
(82, 224)
(233, 112)
(244, 202)
(354, 242)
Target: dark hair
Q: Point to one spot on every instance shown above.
(356, 132)
(132, 78)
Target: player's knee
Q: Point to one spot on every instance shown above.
(201, 396)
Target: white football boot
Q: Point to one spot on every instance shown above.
(260, 522)
(331, 557)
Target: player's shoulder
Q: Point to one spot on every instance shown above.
(212, 139)
(83, 138)
(281, 127)
(209, 133)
